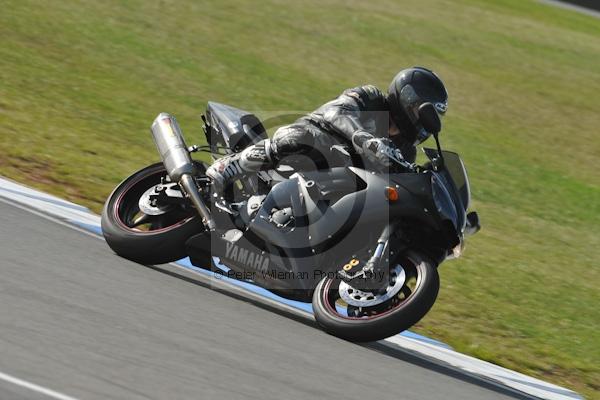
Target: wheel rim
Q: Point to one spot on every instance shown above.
(129, 216)
(334, 290)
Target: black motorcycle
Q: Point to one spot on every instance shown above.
(363, 244)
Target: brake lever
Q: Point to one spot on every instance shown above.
(422, 168)
(404, 166)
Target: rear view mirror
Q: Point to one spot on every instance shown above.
(429, 118)
(473, 224)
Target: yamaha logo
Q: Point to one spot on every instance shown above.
(246, 257)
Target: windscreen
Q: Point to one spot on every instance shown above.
(458, 173)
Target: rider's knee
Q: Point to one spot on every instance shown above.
(292, 140)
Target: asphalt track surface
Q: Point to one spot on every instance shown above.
(79, 320)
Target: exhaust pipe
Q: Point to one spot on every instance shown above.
(171, 146)
(177, 161)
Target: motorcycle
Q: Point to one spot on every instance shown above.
(362, 245)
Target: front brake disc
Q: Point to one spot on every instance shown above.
(359, 298)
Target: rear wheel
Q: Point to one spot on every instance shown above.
(137, 228)
(368, 316)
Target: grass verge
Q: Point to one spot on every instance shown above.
(81, 81)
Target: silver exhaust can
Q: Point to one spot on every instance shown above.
(177, 161)
(171, 146)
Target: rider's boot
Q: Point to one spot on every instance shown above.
(228, 169)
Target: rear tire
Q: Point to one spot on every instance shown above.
(398, 318)
(153, 246)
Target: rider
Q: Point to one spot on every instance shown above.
(380, 127)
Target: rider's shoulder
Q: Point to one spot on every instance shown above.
(365, 92)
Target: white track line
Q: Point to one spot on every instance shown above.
(34, 387)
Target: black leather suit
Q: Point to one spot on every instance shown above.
(357, 115)
(358, 111)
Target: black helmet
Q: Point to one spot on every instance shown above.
(408, 90)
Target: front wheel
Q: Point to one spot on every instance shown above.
(360, 316)
(142, 231)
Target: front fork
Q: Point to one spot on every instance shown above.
(375, 274)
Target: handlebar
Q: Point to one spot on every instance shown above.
(396, 165)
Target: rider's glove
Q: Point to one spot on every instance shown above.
(380, 151)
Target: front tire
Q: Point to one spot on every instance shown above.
(375, 323)
(158, 239)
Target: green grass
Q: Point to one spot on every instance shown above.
(81, 81)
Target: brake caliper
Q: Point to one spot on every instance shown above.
(371, 277)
